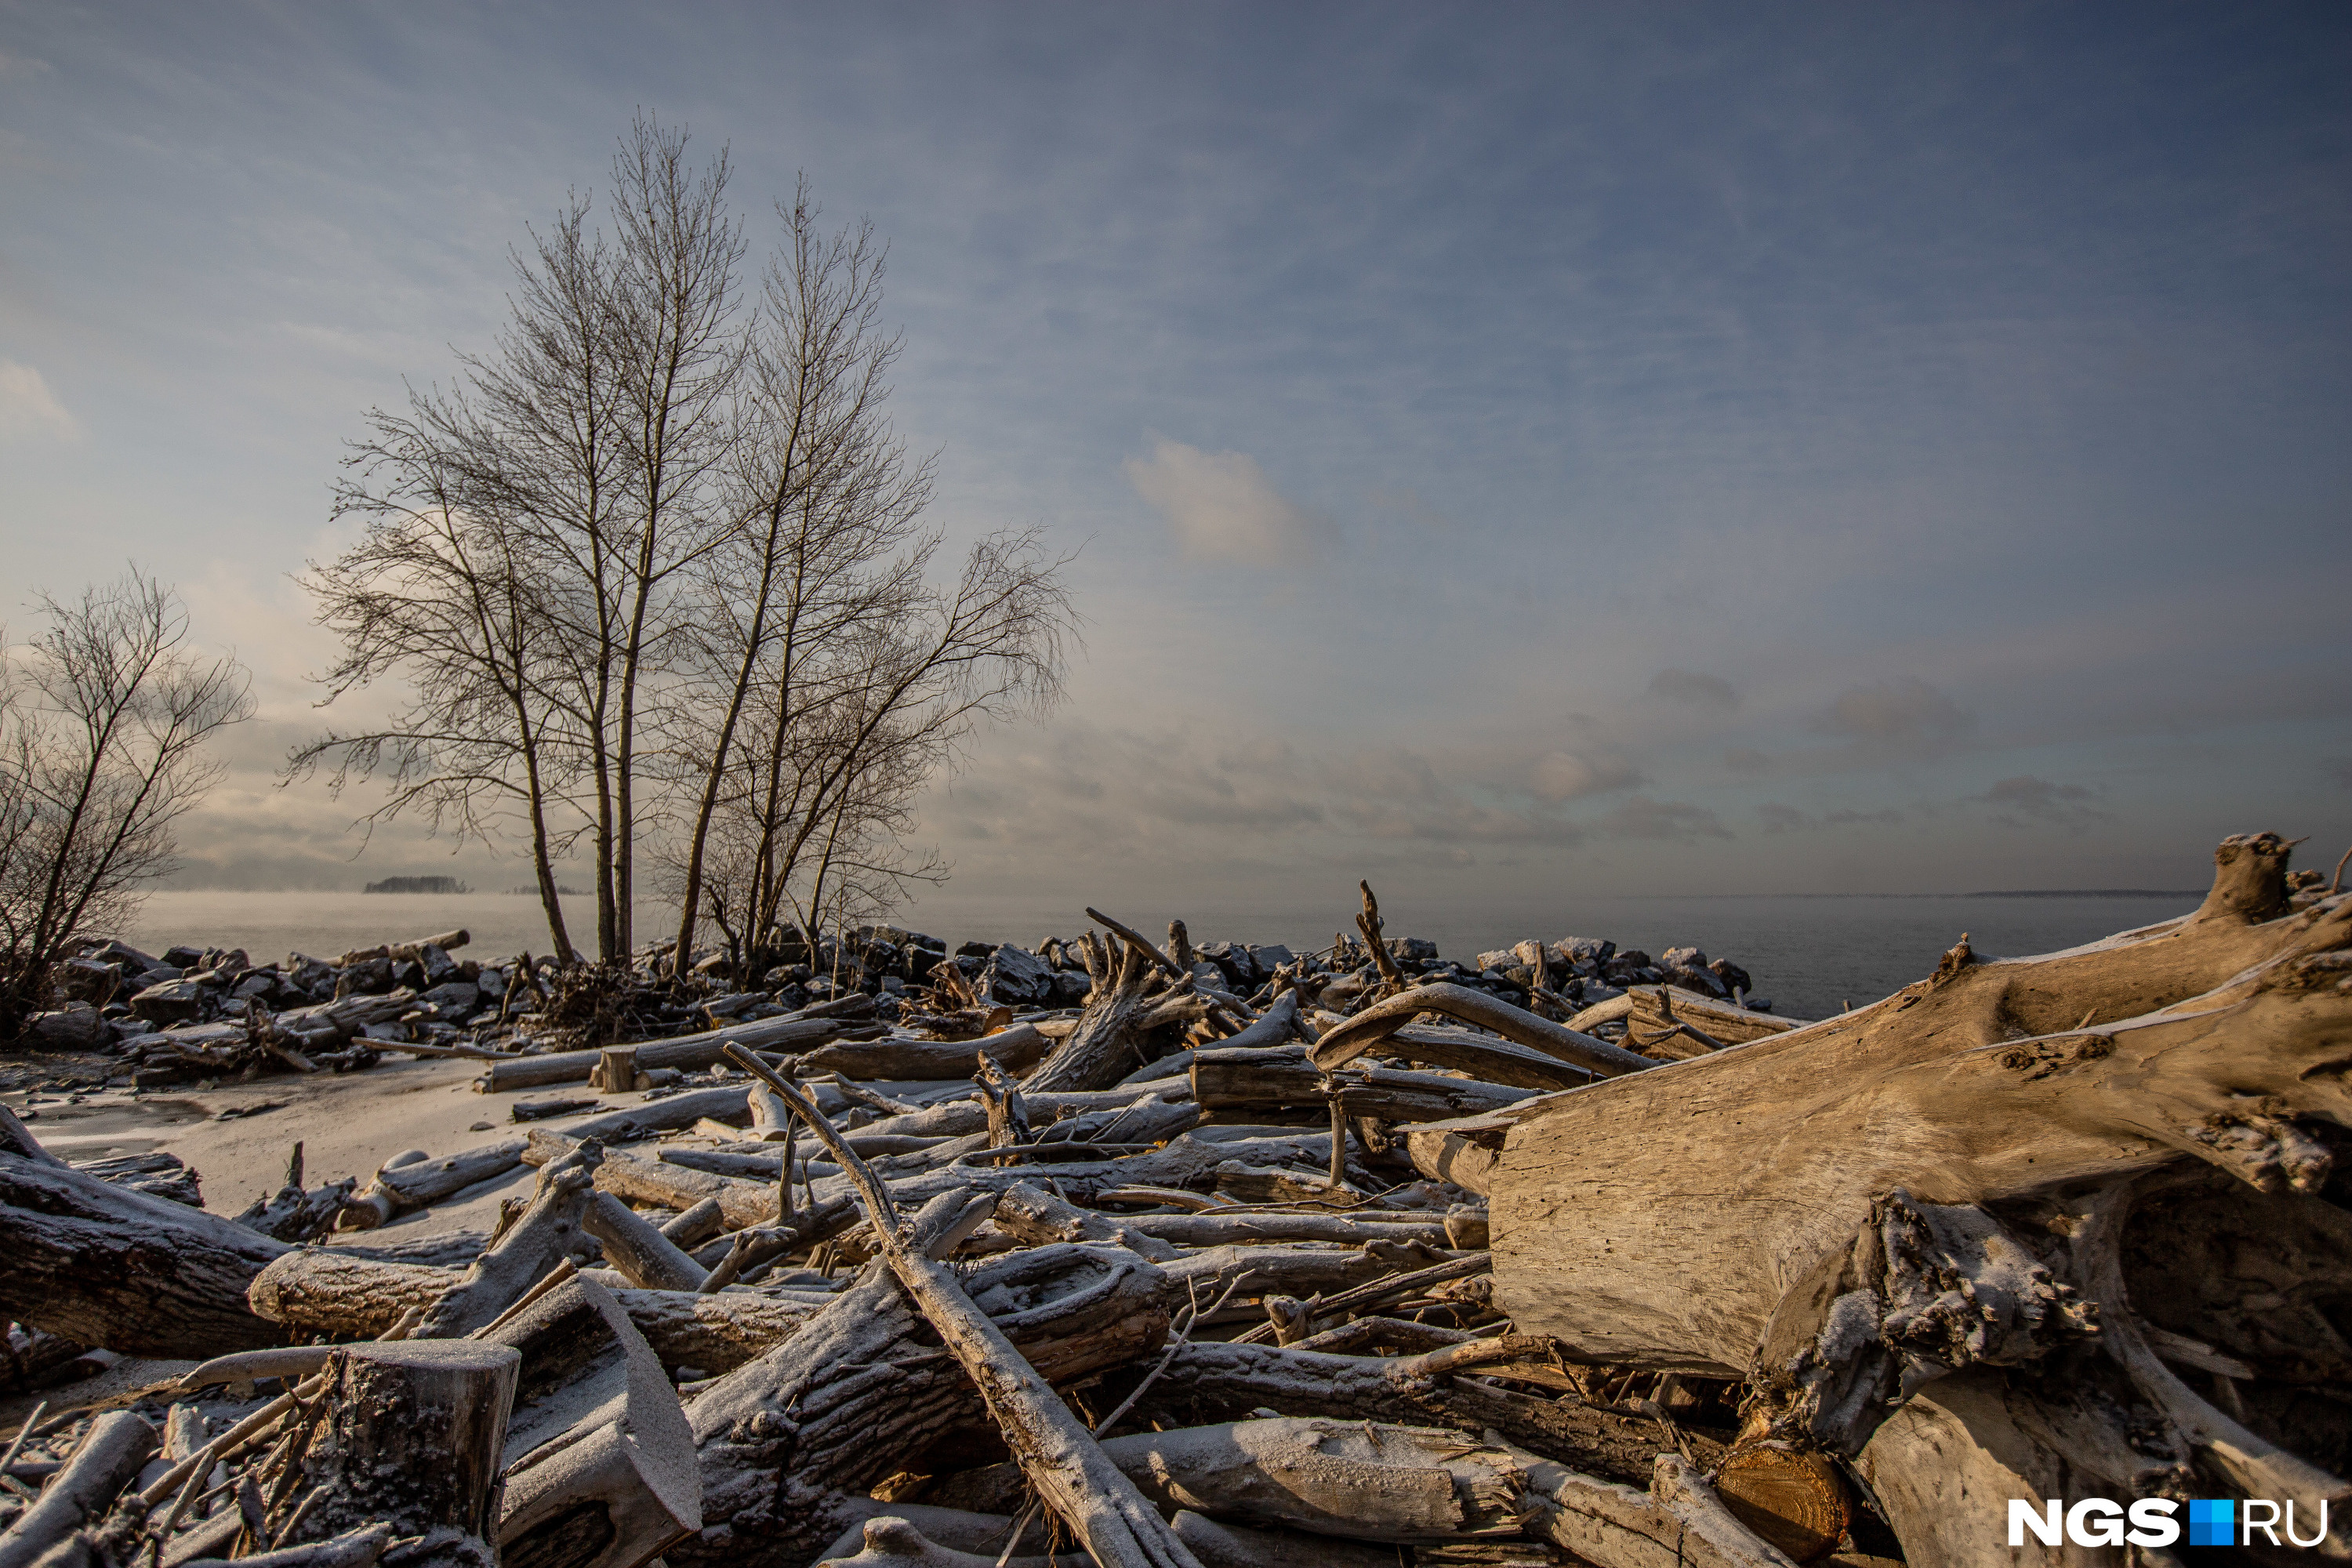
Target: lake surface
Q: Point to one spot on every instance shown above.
(1809, 955)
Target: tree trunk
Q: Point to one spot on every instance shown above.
(1943, 1181)
(413, 1436)
(103, 1266)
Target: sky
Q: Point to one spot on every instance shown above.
(1740, 447)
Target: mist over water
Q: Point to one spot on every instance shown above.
(1809, 955)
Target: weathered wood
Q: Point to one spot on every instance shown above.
(549, 1228)
(317, 1292)
(789, 1441)
(688, 1052)
(1056, 1452)
(395, 1190)
(1927, 1185)
(900, 1058)
(649, 1258)
(672, 1187)
(1100, 1050)
(1382, 1019)
(599, 1461)
(1391, 1483)
(78, 1495)
(412, 1439)
(1282, 1078)
(100, 1265)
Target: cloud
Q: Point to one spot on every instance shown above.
(1778, 818)
(1690, 687)
(1747, 760)
(1224, 508)
(1562, 777)
(29, 409)
(1642, 817)
(1907, 714)
(2340, 772)
(2026, 801)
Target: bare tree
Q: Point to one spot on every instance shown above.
(526, 532)
(654, 574)
(104, 722)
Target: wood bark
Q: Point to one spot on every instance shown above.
(787, 1440)
(412, 1439)
(1101, 1050)
(1054, 1449)
(103, 1266)
(395, 1190)
(1227, 1082)
(899, 1060)
(316, 1291)
(632, 1244)
(687, 1052)
(549, 1229)
(599, 1461)
(1367, 1029)
(1941, 1183)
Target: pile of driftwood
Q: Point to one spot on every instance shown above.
(1432, 1278)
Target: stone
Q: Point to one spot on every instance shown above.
(439, 967)
(1016, 977)
(452, 1003)
(1584, 953)
(183, 958)
(1072, 987)
(1269, 958)
(173, 1001)
(1733, 977)
(79, 1028)
(1412, 950)
(1239, 965)
(1682, 958)
(372, 976)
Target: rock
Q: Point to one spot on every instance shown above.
(253, 983)
(1413, 950)
(980, 950)
(454, 1001)
(79, 1027)
(183, 958)
(1071, 988)
(1239, 965)
(1682, 958)
(1269, 958)
(372, 976)
(1501, 958)
(123, 956)
(1702, 981)
(439, 967)
(491, 983)
(315, 977)
(88, 979)
(1733, 977)
(173, 1001)
(1016, 977)
(1584, 953)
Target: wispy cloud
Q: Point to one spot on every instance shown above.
(1708, 694)
(2026, 801)
(1668, 820)
(29, 411)
(1906, 715)
(1221, 507)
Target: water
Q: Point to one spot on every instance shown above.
(1809, 955)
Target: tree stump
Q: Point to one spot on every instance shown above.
(412, 1439)
(615, 1071)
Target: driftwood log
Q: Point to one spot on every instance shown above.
(1945, 1183)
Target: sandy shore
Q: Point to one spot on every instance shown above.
(348, 1125)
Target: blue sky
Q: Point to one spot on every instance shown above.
(1634, 448)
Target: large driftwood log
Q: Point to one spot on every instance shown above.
(1054, 1450)
(1226, 1081)
(102, 1264)
(1942, 1182)
(898, 1059)
(797, 1032)
(1384, 1019)
(864, 1389)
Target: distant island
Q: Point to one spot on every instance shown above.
(528, 891)
(419, 885)
(2088, 893)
